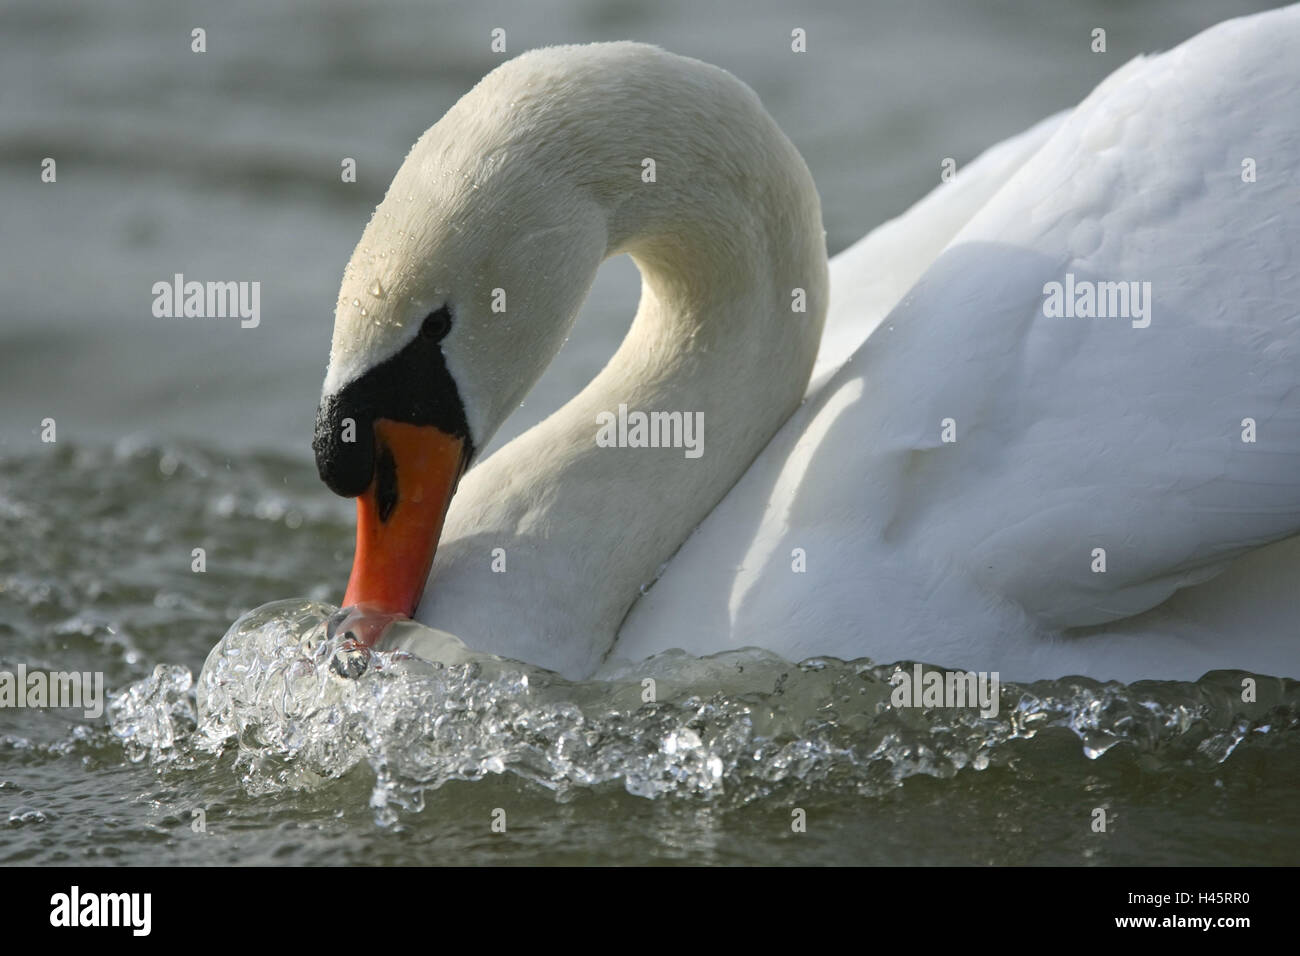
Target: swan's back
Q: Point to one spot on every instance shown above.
(1076, 438)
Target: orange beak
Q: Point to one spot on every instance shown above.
(400, 516)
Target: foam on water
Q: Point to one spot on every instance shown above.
(299, 704)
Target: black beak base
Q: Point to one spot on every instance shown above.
(413, 387)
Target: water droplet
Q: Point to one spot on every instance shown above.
(363, 311)
(350, 662)
(376, 289)
(22, 815)
(355, 303)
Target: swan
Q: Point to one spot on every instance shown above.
(917, 452)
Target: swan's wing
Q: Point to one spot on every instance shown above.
(1072, 434)
(1128, 434)
(869, 277)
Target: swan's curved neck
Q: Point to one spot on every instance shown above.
(729, 242)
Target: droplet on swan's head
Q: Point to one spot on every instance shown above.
(355, 303)
(363, 311)
(376, 289)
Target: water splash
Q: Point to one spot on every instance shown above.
(299, 703)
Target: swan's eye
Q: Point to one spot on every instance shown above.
(437, 324)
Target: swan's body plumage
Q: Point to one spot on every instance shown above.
(861, 528)
(1072, 433)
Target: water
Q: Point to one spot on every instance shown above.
(176, 435)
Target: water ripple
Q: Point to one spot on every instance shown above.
(299, 705)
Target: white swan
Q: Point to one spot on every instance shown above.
(858, 530)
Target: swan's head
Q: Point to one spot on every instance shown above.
(471, 271)
(461, 290)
